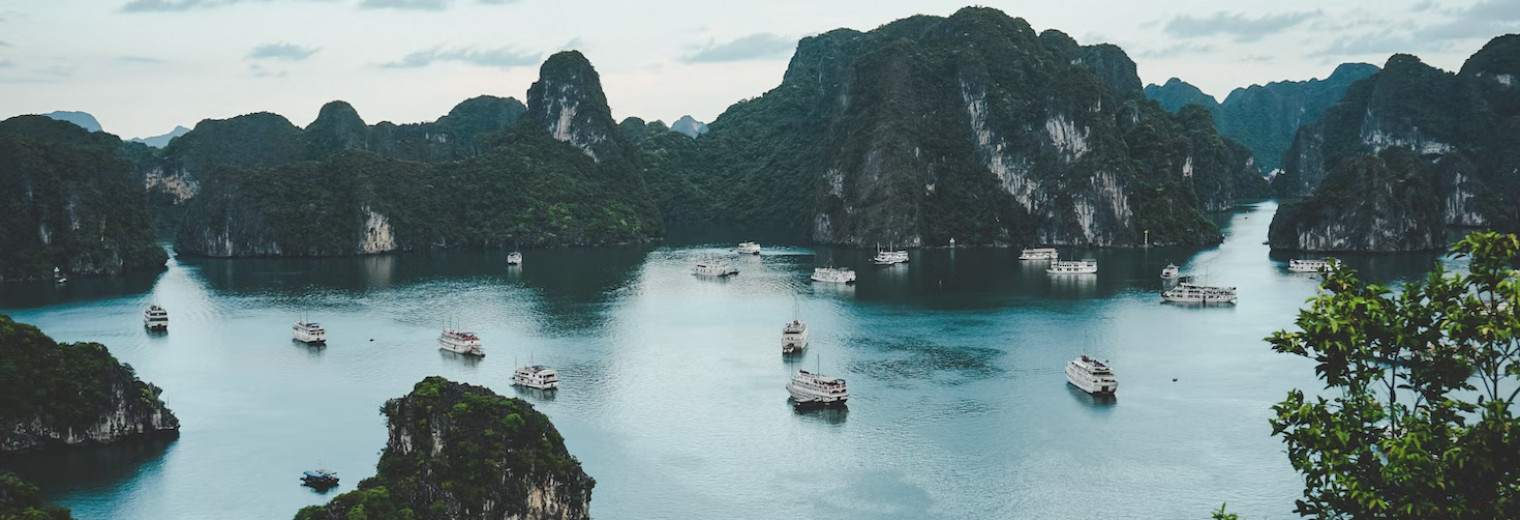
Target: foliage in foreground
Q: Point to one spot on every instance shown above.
(1417, 416)
(20, 500)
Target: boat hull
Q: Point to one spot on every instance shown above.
(1085, 383)
(802, 396)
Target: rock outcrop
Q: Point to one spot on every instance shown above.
(689, 127)
(54, 394)
(1449, 145)
(70, 199)
(462, 452)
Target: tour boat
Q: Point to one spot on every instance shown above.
(1039, 254)
(711, 268)
(890, 257)
(514, 258)
(813, 388)
(461, 342)
(833, 275)
(536, 376)
(748, 248)
(309, 332)
(1088, 266)
(156, 318)
(1190, 293)
(58, 276)
(320, 479)
(1308, 266)
(1171, 272)
(794, 337)
(1091, 376)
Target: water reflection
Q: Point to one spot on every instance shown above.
(1094, 401)
(456, 358)
(90, 468)
(830, 415)
(536, 394)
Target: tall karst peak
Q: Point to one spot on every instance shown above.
(337, 127)
(567, 100)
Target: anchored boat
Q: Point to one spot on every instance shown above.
(794, 337)
(814, 388)
(710, 268)
(1170, 272)
(1190, 293)
(320, 479)
(1308, 266)
(1088, 266)
(1039, 254)
(461, 342)
(309, 332)
(514, 258)
(536, 376)
(748, 248)
(1091, 376)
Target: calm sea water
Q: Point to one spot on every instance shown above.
(673, 393)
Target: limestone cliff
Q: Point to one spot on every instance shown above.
(1460, 128)
(70, 394)
(462, 452)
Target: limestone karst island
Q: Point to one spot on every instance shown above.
(524, 260)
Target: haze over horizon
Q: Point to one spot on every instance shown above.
(176, 62)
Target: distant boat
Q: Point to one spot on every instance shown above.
(1091, 376)
(1190, 293)
(794, 337)
(320, 479)
(514, 258)
(814, 388)
(1088, 266)
(1308, 266)
(156, 318)
(712, 268)
(309, 332)
(748, 248)
(1039, 254)
(461, 342)
(536, 376)
(58, 276)
(1171, 272)
(890, 257)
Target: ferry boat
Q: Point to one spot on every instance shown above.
(320, 479)
(536, 376)
(1039, 254)
(1091, 376)
(794, 337)
(156, 318)
(713, 269)
(1171, 272)
(833, 275)
(461, 342)
(1191, 293)
(309, 332)
(813, 388)
(1308, 266)
(1088, 266)
(514, 258)
(748, 248)
(58, 276)
(890, 257)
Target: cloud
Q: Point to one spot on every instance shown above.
(407, 5)
(5, 63)
(1175, 50)
(162, 6)
(4, 43)
(758, 46)
(142, 60)
(1482, 20)
(575, 43)
(260, 71)
(282, 51)
(1244, 29)
(502, 58)
(1375, 44)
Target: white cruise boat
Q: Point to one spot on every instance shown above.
(58, 276)
(833, 275)
(514, 258)
(1088, 266)
(309, 332)
(1091, 376)
(156, 318)
(1191, 293)
(748, 248)
(1308, 266)
(1170, 272)
(890, 257)
(794, 337)
(813, 388)
(461, 342)
(536, 376)
(711, 268)
(1039, 254)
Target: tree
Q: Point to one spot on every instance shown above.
(1416, 419)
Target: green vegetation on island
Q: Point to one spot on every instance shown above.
(458, 451)
(20, 500)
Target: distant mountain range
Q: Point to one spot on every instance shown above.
(160, 141)
(1265, 117)
(691, 127)
(83, 119)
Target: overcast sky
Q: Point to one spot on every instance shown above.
(143, 66)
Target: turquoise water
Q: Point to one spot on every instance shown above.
(673, 395)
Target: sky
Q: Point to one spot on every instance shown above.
(143, 66)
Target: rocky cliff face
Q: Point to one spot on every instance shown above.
(1460, 128)
(463, 452)
(568, 102)
(71, 200)
(689, 127)
(70, 394)
(972, 127)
